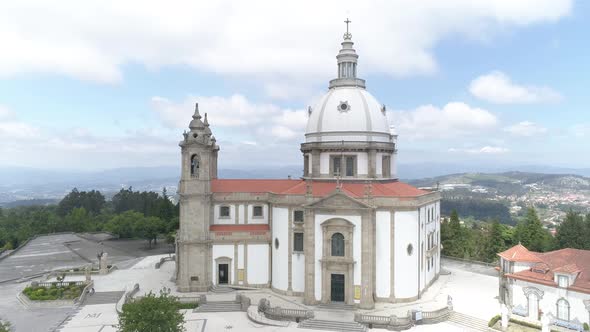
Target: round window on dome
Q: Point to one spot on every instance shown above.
(343, 106)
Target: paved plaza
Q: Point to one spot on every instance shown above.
(472, 288)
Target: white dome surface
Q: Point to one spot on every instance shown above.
(363, 119)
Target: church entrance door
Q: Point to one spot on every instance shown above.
(337, 288)
(222, 274)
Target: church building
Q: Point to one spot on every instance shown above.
(347, 231)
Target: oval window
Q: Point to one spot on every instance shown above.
(410, 249)
(276, 243)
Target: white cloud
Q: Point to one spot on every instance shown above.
(581, 130)
(526, 129)
(263, 41)
(11, 128)
(482, 150)
(236, 113)
(454, 119)
(497, 87)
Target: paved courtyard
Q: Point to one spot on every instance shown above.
(473, 289)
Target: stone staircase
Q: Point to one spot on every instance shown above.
(219, 306)
(335, 306)
(221, 289)
(328, 325)
(103, 298)
(462, 320)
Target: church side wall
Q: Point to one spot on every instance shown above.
(224, 220)
(258, 220)
(280, 261)
(383, 252)
(258, 271)
(406, 265)
(298, 272)
(219, 251)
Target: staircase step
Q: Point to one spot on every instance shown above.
(468, 321)
(327, 325)
(336, 306)
(219, 306)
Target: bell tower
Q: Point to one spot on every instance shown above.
(193, 245)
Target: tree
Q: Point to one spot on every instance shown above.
(125, 224)
(531, 234)
(92, 201)
(149, 229)
(574, 231)
(495, 242)
(152, 313)
(4, 326)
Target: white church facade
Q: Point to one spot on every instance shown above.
(346, 231)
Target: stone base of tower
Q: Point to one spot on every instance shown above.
(193, 268)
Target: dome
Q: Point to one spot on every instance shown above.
(348, 113)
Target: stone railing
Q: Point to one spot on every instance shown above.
(126, 298)
(278, 313)
(385, 322)
(436, 316)
(85, 292)
(572, 325)
(165, 259)
(57, 283)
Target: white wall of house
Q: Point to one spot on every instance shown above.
(223, 250)
(258, 220)
(548, 303)
(280, 255)
(298, 272)
(224, 220)
(406, 266)
(241, 215)
(383, 252)
(258, 268)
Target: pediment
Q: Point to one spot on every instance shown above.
(339, 200)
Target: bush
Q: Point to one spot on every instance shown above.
(586, 327)
(42, 293)
(152, 313)
(4, 326)
(494, 320)
(189, 305)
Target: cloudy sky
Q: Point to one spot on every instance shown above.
(104, 84)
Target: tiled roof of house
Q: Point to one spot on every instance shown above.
(565, 261)
(318, 188)
(519, 253)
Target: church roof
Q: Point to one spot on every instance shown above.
(318, 188)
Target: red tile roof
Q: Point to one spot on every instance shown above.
(568, 261)
(519, 253)
(319, 188)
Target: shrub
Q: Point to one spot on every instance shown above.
(42, 293)
(494, 320)
(189, 305)
(586, 327)
(527, 324)
(4, 326)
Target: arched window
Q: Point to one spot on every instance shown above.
(337, 244)
(195, 165)
(563, 310)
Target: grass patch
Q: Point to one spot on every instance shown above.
(53, 293)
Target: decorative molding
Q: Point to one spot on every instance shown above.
(528, 290)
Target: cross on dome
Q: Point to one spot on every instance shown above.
(347, 35)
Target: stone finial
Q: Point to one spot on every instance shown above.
(206, 122)
(197, 115)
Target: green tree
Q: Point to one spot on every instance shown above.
(531, 234)
(495, 242)
(572, 232)
(149, 229)
(92, 201)
(152, 313)
(125, 224)
(4, 326)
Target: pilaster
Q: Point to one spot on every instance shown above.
(367, 286)
(309, 251)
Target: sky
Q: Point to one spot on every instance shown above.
(106, 84)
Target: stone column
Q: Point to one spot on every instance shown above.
(315, 163)
(373, 163)
(309, 251)
(367, 254)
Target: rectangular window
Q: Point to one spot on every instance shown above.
(257, 211)
(386, 166)
(298, 242)
(350, 166)
(563, 281)
(298, 216)
(224, 211)
(336, 165)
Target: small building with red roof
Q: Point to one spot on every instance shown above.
(347, 231)
(555, 284)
